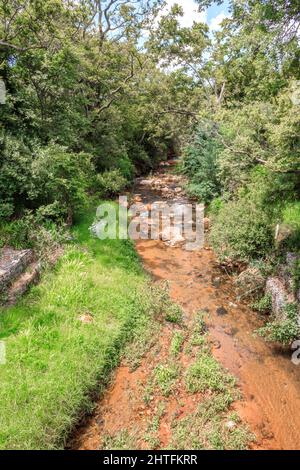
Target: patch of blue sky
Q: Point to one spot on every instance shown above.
(215, 10)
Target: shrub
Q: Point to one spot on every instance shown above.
(244, 133)
(174, 313)
(126, 167)
(242, 231)
(291, 215)
(216, 205)
(17, 233)
(263, 305)
(111, 183)
(15, 174)
(200, 164)
(283, 331)
(291, 220)
(60, 180)
(244, 228)
(49, 179)
(32, 231)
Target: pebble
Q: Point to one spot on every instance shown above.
(230, 425)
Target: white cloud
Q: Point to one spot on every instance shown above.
(215, 23)
(190, 12)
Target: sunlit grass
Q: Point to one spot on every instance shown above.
(54, 360)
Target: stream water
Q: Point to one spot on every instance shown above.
(269, 381)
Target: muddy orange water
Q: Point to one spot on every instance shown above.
(269, 382)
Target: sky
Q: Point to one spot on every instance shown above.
(213, 16)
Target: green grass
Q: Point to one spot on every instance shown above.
(207, 428)
(151, 435)
(207, 374)
(174, 314)
(291, 215)
(212, 425)
(165, 377)
(123, 440)
(54, 361)
(176, 343)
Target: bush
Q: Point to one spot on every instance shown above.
(111, 183)
(291, 220)
(291, 215)
(200, 164)
(46, 179)
(244, 228)
(31, 231)
(60, 180)
(126, 168)
(242, 231)
(263, 305)
(216, 205)
(17, 233)
(15, 174)
(283, 331)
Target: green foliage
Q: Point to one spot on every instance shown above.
(291, 220)
(283, 330)
(17, 233)
(263, 305)
(76, 101)
(200, 164)
(49, 180)
(123, 440)
(60, 180)
(206, 427)
(110, 183)
(165, 377)
(173, 313)
(252, 100)
(215, 206)
(176, 344)
(126, 167)
(15, 175)
(291, 215)
(244, 228)
(206, 373)
(46, 340)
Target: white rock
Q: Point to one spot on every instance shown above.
(230, 425)
(146, 182)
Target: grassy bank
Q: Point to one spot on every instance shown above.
(54, 359)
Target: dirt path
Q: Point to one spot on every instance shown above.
(269, 382)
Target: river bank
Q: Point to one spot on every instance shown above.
(268, 381)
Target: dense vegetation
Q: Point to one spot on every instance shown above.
(100, 91)
(244, 158)
(97, 92)
(65, 337)
(84, 96)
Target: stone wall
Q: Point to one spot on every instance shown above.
(12, 264)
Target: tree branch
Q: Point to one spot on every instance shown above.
(119, 88)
